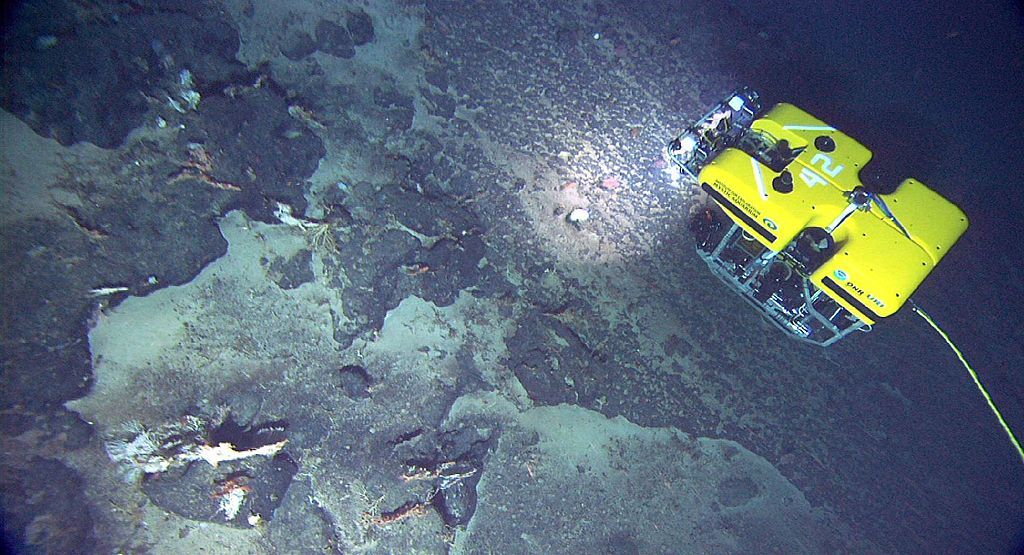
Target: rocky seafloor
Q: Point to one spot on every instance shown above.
(333, 237)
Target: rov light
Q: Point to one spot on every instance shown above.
(686, 146)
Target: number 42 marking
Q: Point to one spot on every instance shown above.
(812, 178)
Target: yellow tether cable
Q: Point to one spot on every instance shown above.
(974, 376)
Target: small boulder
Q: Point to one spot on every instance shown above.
(334, 39)
(360, 27)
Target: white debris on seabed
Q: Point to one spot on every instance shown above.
(146, 451)
(224, 452)
(578, 216)
(231, 502)
(186, 93)
(283, 213)
(104, 291)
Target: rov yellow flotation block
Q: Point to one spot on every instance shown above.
(883, 249)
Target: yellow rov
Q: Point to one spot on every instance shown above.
(792, 228)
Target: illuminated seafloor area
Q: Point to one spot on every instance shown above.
(301, 277)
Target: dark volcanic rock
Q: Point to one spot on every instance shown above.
(440, 105)
(360, 27)
(372, 266)
(553, 363)
(334, 39)
(268, 157)
(293, 272)
(194, 491)
(292, 530)
(453, 266)
(43, 506)
(457, 502)
(355, 380)
(77, 77)
(298, 46)
(438, 77)
(399, 108)
(457, 456)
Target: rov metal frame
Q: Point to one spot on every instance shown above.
(806, 323)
